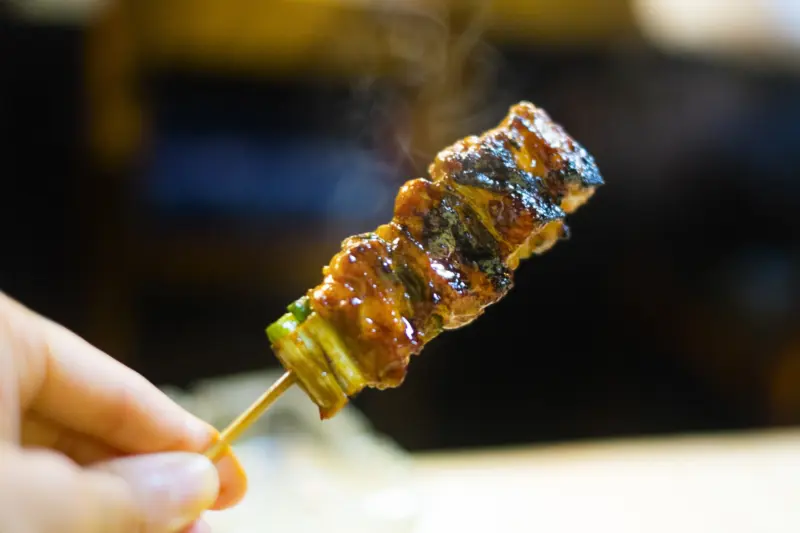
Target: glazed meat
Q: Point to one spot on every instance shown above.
(450, 251)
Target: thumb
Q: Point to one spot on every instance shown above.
(171, 490)
(45, 492)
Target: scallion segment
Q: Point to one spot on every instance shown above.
(281, 327)
(345, 369)
(300, 308)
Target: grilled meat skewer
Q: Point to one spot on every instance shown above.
(450, 250)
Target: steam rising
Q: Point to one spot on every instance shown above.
(445, 84)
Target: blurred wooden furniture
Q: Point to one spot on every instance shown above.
(326, 39)
(338, 38)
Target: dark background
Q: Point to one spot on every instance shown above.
(674, 307)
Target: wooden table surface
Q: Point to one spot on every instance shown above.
(730, 483)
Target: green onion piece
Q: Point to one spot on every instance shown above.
(345, 369)
(281, 327)
(300, 308)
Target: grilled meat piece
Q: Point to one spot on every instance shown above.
(448, 253)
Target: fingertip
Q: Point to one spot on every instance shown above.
(233, 481)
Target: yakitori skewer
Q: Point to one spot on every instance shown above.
(449, 252)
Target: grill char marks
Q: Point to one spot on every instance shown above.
(491, 164)
(454, 241)
(463, 261)
(487, 172)
(466, 255)
(570, 172)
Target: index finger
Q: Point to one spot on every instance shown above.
(65, 379)
(88, 391)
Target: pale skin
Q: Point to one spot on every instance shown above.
(87, 445)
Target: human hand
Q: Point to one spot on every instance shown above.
(89, 446)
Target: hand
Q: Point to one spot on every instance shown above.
(89, 446)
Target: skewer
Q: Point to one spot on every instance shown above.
(451, 211)
(247, 418)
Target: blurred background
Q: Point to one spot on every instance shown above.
(175, 172)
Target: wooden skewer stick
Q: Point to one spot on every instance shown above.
(246, 419)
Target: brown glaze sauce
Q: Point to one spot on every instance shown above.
(454, 241)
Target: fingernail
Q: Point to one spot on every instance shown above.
(173, 488)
